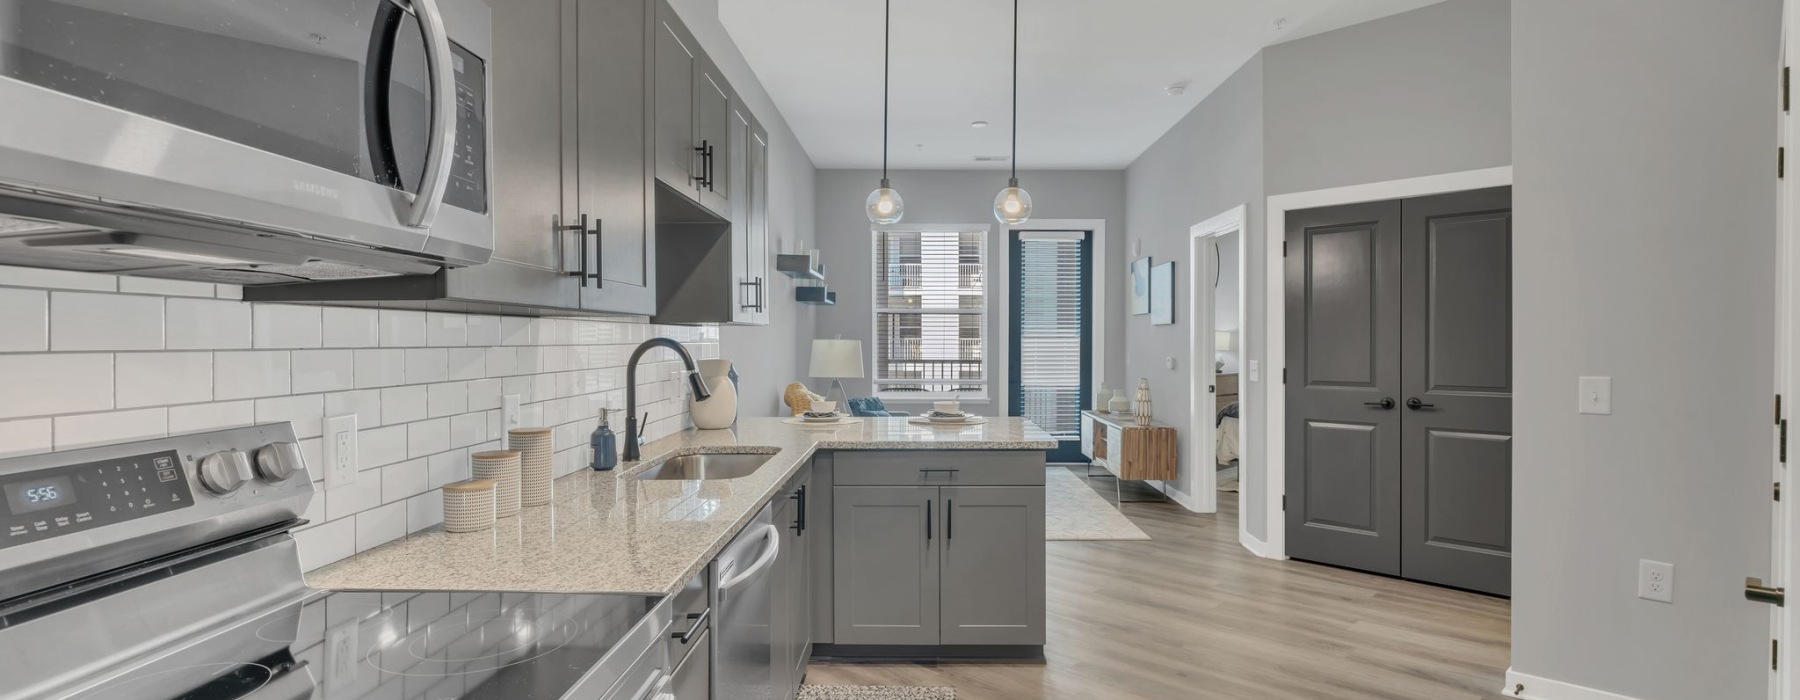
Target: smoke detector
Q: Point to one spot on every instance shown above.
(979, 124)
(1176, 88)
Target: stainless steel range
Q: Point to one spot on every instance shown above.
(164, 569)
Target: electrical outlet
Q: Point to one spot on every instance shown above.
(1656, 581)
(509, 411)
(340, 451)
(340, 656)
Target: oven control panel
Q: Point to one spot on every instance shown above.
(62, 500)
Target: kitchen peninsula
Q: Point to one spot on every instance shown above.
(915, 537)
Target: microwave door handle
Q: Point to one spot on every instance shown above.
(442, 141)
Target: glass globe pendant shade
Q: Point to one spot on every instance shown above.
(885, 205)
(1013, 205)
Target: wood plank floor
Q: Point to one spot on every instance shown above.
(1191, 614)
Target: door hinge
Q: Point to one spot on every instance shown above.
(1284, 249)
(1784, 88)
(1783, 447)
(1780, 162)
(1778, 409)
(1284, 503)
(1284, 375)
(1774, 654)
(1777, 490)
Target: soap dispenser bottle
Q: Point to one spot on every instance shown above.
(605, 445)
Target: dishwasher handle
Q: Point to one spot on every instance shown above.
(772, 536)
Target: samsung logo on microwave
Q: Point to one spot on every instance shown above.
(315, 189)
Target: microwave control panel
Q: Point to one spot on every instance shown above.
(468, 188)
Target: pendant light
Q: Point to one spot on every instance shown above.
(1013, 205)
(884, 204)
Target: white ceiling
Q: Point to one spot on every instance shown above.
(1092, 73)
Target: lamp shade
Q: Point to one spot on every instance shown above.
(836, 358)
(1222, 341)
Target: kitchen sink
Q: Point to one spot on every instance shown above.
(706, 467)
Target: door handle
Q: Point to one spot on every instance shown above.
(702, 150)
(1415, 404)
(1386, 403)
(1755, 591)
(442, 139)
(800, 519)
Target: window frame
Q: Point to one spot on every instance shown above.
(982, 314)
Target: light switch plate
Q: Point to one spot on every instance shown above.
(1255, 370)
(1169, 362)
(340, 451)
(1656, 581)
(1596, 395)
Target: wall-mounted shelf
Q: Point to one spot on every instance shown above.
(799, 267)
(815, 295)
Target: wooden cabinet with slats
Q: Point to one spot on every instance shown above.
(1128, 450)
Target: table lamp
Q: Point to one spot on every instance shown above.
(836, 359)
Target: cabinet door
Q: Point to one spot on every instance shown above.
(885, 563)
(993, 564)
(799, 588)
(782, 682)
(693, 678)
(613, 152)
(712, 120)
(745, 296)
(528, 110)
(755, 189)
(676, 52)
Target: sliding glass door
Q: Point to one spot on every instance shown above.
(1051, 338)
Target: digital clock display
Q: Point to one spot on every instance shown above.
(39, 494)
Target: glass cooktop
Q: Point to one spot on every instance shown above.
(395, 645)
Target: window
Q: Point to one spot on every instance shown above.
(930, 313)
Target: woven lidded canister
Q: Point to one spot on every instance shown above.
(469, 505)
(537, 463)
(502, 466)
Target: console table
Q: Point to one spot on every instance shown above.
(1128, 451)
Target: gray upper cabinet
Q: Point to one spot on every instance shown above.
(613, 147)
(750, 218)
(678, 158)
(993, 565)
(713, 107)
(885, 565)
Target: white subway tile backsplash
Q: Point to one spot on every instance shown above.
(352, 498)
(404, 480)
(424, 510)
(283, 326)
(327, 543)
(515, 330)
(484, 394)
(483, 331)
(467, 363)
(25, 316)
(42, 385)
(249, 374)
(351, 328)
(208, 324)
(323, 370)
(377, 368)
(443, 329)
(364, 403)
(502, 362)
(447, 399)
(447, 467)
(25, 437)
(116, 426)
(381, 447)
(380, 526)
(468, 429)
(211, 416)
(427, 437)
(168, 288)
(306, 412)
(56, 279)
(403, 404)
(162, 378)
(87, 321)
(402, 329)
(425, 365)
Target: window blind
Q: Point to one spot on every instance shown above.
(930, 313)
(1051, 316)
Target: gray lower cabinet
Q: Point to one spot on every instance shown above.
(885, 565)
(927, 565)
(992, 565)
(791, 619)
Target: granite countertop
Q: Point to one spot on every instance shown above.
(607, 533)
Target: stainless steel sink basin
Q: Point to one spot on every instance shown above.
(705, 467)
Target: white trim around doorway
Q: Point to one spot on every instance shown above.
(1274, 353)
(1201, 406)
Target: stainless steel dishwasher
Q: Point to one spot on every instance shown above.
(742, 599)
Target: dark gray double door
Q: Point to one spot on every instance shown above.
(1399, 387)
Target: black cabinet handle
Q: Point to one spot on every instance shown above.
(709, 168)
(949, 520)
(1385, 404)
(581, 231)
(800, 520)
(928, 521)
(702, 150)
(761, 299)
(1415, 404)
(699, 619)
(599, 234)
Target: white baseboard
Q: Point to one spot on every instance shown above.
(1529, 687)
(1256, 546)
(1176, 495)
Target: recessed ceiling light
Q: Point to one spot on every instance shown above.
(979, 124)
(1176, 88)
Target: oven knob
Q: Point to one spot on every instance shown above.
(277, 461)
(224, 472)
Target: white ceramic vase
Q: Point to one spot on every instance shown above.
(719, 411)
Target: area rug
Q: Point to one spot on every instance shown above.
(1073, 512)
(875, 692)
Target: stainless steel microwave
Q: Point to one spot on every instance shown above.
(245, 141)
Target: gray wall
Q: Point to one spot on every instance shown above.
(1418, 93)
(1643, 139)
(766, 357)
(1208, 163)
(960, 197)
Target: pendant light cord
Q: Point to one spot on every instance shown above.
(1015, 95)
(887, 21)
